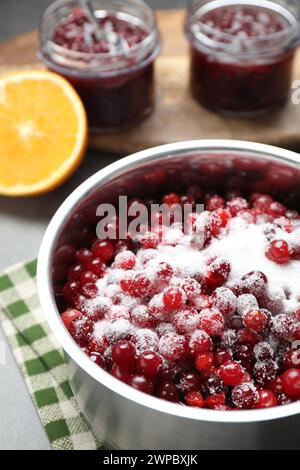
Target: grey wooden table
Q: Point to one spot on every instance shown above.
(22, 224)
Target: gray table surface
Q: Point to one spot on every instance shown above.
(22, 224)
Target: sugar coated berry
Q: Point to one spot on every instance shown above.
(291, 382)
(211, 321)
(186, 321)
(232, 373)
(278, 251)
(172, 346)
(125, 260)
(69, 316)
(245, 395)
(199, 342)
(137, 285)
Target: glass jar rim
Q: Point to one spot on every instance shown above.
(287, 37)
(140, 51)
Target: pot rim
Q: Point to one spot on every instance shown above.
(63, 337)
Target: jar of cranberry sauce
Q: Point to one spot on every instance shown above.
(112, 68)
(242, 53)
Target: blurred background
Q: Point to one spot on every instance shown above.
(20, 16)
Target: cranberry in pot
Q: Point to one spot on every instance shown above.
(242, 53)
(112, 69)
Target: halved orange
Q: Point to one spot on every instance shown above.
(43, 132)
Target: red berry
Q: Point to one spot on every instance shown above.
(88, 277)
(74, 272)
(96, 266)
(216, 274)
(90, 291)
(276, 209)
(221, 356)
(121, 373)
(261, 201)
(255, 320)
(103, 249)
(215, 202)
(236, 205)
(292, 359)
(164, 271)
(125, 260)
(291, 382)
(278, 251)
(204, 361)
(194, 399)
(83, 255)
(123, 353)
(211, 321)
(174, 298)
(81, 330)
(266, 399)
(69, 316)
(171, 199)
(172, 346)
(136, 286)
(149, 363)
(244, 395)
(141, 383)
(149, 240)
(186, 321)
(199, 342)
(215, 400)
(69, 290)
(232, 373)
(167, 391)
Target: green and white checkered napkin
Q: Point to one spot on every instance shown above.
(41, 360)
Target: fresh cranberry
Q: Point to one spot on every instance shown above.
(123, 353)
(69, 316)
(194, 399)
(255, 320)
(276, 209)
(221, 356)
(244, 354)
(121, 373)
(141, 383)
(83, 256)
(103, 249)
(125, 260)
(244, 395)
(96, 266)
(69, 290)
(246, 336)
(232, 373)
(167, 391)
(88, 277)
(149, 363)
(204, 361)
(261, 201)
(215, 400)
(266, 399)
(172, 346)
(96, 358)
(276, 386)
(291, 382)
(278, 251)
(211, 321)
(174, 298)
(74, 272)
(171, 199)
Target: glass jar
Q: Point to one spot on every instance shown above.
(112, 69)
(242, 53)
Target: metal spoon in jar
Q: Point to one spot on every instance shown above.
(106, 33)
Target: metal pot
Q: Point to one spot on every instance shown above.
(126, 417)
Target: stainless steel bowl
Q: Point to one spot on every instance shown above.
(126, 417)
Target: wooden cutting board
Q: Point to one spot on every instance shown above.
(177, 116)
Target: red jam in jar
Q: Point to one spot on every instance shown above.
(111, 67)
(242, 53)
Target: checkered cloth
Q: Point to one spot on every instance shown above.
(41, 360)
